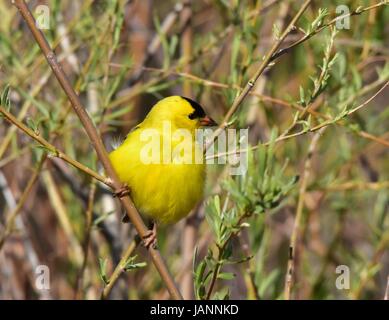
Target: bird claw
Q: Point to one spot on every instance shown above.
(122, 192)
(150, 238)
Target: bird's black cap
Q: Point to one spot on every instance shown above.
(198, 110)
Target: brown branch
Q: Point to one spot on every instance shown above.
(299, 214)
(324, 124)
(190, 228)
(54, 152)
(265, 98)
(265, 63)
(324, 26)
(238, 101)
(96, 143)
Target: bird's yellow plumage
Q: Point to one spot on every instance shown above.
(168, 190)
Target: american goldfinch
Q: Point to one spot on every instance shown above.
(167, 188)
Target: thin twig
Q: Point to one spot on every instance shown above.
(189, 233)
(266, 98)
(324, 26)
(221, 250)
(54, 152)
(289, 279)
(324, 124)
(119, 269)
(267, 59)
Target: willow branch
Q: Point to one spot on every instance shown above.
(265, 63)
(189, 232)
(324, 26)
(289, 279)
(324, 124)
(97, 143)
(119, 269)
(54, 151)
(221, 250)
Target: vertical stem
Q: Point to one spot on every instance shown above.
(190, 230)
(289, 279)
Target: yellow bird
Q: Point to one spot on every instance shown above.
(157, 161)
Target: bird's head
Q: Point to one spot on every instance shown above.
(182, 112)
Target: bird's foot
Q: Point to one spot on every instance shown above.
(122, 192)
(150, 238)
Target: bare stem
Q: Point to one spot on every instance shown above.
(266, 61)
(289, 279)
(324, 26)
(190, 229)
(54, 152)
(96, 143)
(119, 269)
(324, 124)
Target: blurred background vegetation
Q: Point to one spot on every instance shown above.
(317, 179)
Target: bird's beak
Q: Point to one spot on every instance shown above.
(208, 122)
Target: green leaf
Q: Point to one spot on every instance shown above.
(302, 96)
(173, 45)
(102, 270)
(32, 125)
(131, 265)
(268, 281)
(276, 31)
(199, 280)
(224, 294)
(4, 99)
(102, 218)
(226, 276)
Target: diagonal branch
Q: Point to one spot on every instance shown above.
(265, 63)
(324, 26)
(96, 142)
(54, 152)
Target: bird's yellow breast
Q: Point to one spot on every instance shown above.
(165, 191)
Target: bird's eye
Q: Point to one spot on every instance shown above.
(192, 115)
